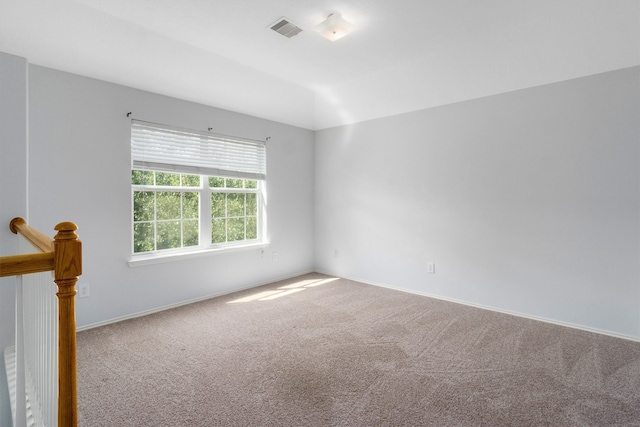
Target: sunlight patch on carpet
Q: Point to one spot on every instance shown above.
(284, 290)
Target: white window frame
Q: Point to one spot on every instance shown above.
(148, 158)
(166, 188)
(260, 214)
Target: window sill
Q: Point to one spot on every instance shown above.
(142, 260)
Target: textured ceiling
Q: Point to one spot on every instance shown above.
(402, 56)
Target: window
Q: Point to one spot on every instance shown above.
(166, 213)
(195, 190)
(234, 209)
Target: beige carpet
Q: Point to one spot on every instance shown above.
(312, 351)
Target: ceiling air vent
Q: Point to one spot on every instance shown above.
(284, 27)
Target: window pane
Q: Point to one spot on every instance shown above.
(171, 179)
(216, 182)
(139, 177)
(168, 235)
(143, 206)
(252, 204)
(234, 183)
(190, 233)
(190, 205)
(191, 180)
(235, 229)
(235, 204)
(143, 237)
(218, 231)
(171, 219)
(252, 228)
(218, 205)
(168, 205)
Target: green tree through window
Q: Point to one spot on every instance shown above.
(168, 210)
(234, 209)
(165, 212)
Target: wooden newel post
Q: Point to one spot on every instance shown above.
(68, 266)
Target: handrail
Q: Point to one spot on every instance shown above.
(63, 255)
(14, 265)
(37, 239)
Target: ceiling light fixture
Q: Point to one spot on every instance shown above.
(334, 27)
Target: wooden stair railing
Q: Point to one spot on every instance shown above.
(63, 256)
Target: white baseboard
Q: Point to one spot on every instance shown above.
(186, 302)
(494, 309)
(368, 282)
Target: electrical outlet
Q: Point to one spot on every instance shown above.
(431, 268)
(274, 256)
(83, 290)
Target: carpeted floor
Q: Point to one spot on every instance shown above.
(317, 351)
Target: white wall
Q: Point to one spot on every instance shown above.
(526, 201)
(79, 138)
(80, 122)
(13, 198)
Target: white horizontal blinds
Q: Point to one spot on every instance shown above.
(171, 149)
